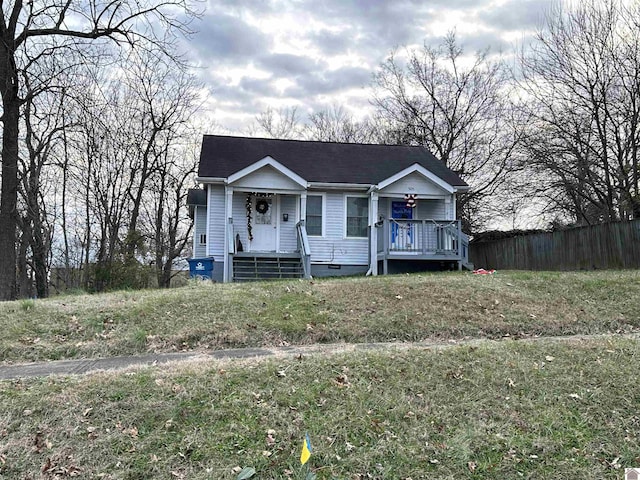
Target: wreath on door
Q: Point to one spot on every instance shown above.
(262, 206)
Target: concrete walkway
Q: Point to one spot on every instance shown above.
(83, 366)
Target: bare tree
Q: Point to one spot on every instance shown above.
(127, 135)
(581, 79)
(26, 27)
(284, 123)
(168, 220)
(460, 113)
(43, 124)
(164, 100)
(332, 124)
(335, 124)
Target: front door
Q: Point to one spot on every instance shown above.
(265, 224)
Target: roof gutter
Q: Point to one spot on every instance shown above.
(339, 186)
(211, 180)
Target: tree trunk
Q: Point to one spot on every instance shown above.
(24, 287)
(9, 197)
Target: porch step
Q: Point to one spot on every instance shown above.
(248, 268)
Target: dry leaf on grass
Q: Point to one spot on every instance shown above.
(270, 437)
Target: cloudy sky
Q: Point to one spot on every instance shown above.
(312, 54)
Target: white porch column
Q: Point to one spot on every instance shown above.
(455, 206)
(373, 247)
(228, 214)
(303, 206)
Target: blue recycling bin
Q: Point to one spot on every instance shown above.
(201, 268)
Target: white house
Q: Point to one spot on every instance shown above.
(284, 208)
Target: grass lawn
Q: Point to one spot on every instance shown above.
(539, 410)
(380, 309)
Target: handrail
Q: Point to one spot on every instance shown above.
(304, 248)
(464, 243)
(453, 229)
(445, 236)
(231, 250)
(231, 241)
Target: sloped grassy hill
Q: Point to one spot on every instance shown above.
(380, 309)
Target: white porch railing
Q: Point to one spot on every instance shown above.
(304, 248)
(426, 238)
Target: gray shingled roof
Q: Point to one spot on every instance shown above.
(222, 156)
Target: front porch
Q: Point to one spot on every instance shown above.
(422, 240)
(280, 226)
(267, 238)
(242, 266)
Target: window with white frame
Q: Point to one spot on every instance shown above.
(357, 216)
(314, 215)
(203, 239)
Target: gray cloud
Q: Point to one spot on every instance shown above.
(284, 64)
(258, 86)
(330, 43)
(367, 28)
(223, 36)
(517, 14)
(333, 81)
(231, 95)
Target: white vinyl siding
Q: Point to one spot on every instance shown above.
(315, 215)
(199, 229)
(426, 209)
(216, 213)
(288, 206)
(383, 207)
(432, 209)
(413, 183)
(239, 212)
(267, 178)
(334, 248)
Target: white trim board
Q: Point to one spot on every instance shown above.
(416, 168)
(273, 163)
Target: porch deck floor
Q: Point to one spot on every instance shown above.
(267, 254)
(436, 256)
